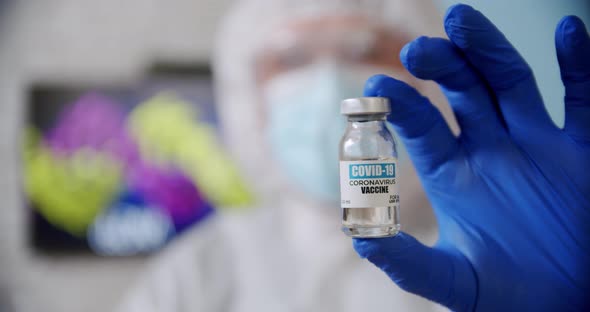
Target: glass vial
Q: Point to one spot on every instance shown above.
(368, 170)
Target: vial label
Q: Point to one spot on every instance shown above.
(368, 183)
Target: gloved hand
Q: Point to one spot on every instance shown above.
(512, 193)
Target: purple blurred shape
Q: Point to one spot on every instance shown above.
(172, 191)
(93, 121)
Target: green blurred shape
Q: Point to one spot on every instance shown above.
(69, 191)
(166, 132)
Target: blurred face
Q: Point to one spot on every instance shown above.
(307, 68)
(343, 39)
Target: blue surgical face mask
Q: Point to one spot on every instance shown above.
(305, 125)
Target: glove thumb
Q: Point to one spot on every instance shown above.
(440, 275)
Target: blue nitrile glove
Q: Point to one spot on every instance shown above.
(512, 192)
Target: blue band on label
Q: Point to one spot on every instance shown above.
(371, 171)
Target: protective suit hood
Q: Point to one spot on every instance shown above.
(242, 35)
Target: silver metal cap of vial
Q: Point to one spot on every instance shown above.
(365, 106)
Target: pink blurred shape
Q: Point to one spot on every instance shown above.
(170, 190)
(94, 121)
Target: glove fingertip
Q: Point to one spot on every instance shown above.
(373, 84)
(571, 23)
(375, 248)
(457, 10)
(385, 86)
(370, 247)
(464, 25)
(362, 247)
(431, 58)
(464, 15)
(571, 32)
(410, 55)
(403, 55)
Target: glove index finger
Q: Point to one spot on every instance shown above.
(572, 44)
(418, 123)
(486, 47)
(432, 273)
(502, 67)
(439, 60)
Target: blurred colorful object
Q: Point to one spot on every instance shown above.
(172, 192)
(95, 122)
(128, 183)
(130, 226)
(76, 171)
(166, 133)
(70, 191)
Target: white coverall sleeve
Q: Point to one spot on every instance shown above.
(192, 274)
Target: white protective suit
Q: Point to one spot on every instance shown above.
(286, 254)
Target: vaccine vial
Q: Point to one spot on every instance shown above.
(369, 189)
